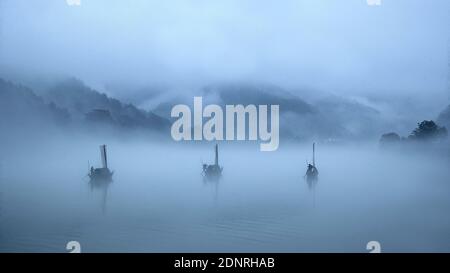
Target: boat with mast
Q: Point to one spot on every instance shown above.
(103, 173)
(215, 170)
(312, 173)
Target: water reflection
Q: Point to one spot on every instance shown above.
(312, 182)
(213, 182)
(101, 185)
(312, 179)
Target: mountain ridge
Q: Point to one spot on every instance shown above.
(70, 102)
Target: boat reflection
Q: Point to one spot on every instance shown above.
(213, 182)
(102, 187)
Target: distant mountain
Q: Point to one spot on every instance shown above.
(71, 103)
(444, 118)
(331, 118)
(21, 107)
(347, 118)
(292, 109)
(86, 104)
(259, 95)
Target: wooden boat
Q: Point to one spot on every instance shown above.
(215, 170)
(312, 173)
(102, 174)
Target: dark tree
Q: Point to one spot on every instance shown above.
(428, 130)
(389, 138)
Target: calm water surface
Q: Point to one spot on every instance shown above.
(158, 201)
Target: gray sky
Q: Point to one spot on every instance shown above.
(339, 45)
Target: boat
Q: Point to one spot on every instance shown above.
(312, 173)
(214, 170)
(102, 174)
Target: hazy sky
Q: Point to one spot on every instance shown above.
(400, 46)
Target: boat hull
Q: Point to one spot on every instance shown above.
(101, 174)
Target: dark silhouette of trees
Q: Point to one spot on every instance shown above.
(428, 130)
(390, 138)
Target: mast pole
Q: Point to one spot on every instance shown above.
(314, 154)
(106, 158)
(217, 156)
(103, 156)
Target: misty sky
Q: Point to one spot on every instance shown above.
(338, 45)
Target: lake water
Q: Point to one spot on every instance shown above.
(158, 201)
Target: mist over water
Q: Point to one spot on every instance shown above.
(159, 202)
(346, 75)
